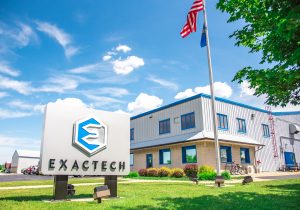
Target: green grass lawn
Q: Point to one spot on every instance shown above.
(283, 194)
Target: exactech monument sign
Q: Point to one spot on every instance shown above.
(82, 141)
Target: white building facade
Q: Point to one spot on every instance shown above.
(182, 132)
(22, 159)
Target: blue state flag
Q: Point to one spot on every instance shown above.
(203, 37)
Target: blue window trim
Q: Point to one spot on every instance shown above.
(168, 131)
(247, 154)
(225, 117)
(132, 159)
(244, 124)
(184, 115)
(228, 153)
(183, 152)
(131, 134)
(161, 156)
(263, 128)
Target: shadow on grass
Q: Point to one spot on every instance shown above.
(41, 197)
(287, 197)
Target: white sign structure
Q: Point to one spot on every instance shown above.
(83, 141)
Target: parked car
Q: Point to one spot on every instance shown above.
(31, 170)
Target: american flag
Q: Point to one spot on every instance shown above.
(191, 20)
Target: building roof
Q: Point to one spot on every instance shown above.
(192, 137)
(28, 153)
(217, 99)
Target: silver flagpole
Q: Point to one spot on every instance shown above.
(211, 82)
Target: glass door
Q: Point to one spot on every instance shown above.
(149, 161)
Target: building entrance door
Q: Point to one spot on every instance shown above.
(289, 158)
(149, 161)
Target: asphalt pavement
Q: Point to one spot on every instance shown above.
(22, 177)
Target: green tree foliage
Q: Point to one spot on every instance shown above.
(273, 28)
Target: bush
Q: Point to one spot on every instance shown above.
(177, 173)
(226, 175)
(206, 168)
(132, 174)
(143, 172)
(207, 175)
(164, 171)
(152, 172)
(191, 170)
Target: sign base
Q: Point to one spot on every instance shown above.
(112, 183)
(60, 189)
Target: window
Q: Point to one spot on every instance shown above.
(222, 122)
(131, 134)
(245, 156)
(266, 131)
(131, 159)
(189, 154)
(225, 153)
(188, 121)
(164, 126)
(241, 125)
(165, 156)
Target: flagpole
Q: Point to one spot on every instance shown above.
(211, 82)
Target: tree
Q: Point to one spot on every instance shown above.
(273, 28)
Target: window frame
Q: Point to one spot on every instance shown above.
(132, 159)
(183, 153)
(224, 116)
(131, 134)
(247, 155)
(228, 155)
(263, 128)
(243, 123)
(161, 156)
(183, 122)
(167, 130)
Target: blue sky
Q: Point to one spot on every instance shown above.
(124, 56)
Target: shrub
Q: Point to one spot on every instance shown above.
(226, 175)
(143, 172)
(191, 170)
(207, 175)
(164, 171)
(206, 168)
(177, 173)
(132, 174)
(152, 172)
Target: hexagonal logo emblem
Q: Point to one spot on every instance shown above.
(90, 135)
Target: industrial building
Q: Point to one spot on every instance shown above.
(182, 132)
(22, 159)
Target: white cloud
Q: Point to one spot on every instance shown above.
(6, 69)
(9, 141)
(121, 112)
(222, 89)
(19, 86)
(123, 48)
(74, 102)
(106, 57)
(58, 85)
(143, 103)
(102, 101)
(7, 114)
(64, 39)
(3, 94)
(245, 89)
(164, 83)
(26, 106)
(85, 69)
(127, 65)
(112, 91)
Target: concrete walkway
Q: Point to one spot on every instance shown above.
(256, 177)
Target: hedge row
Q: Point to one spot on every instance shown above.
(161, 172)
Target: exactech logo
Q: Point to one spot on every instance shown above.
(90, 135)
